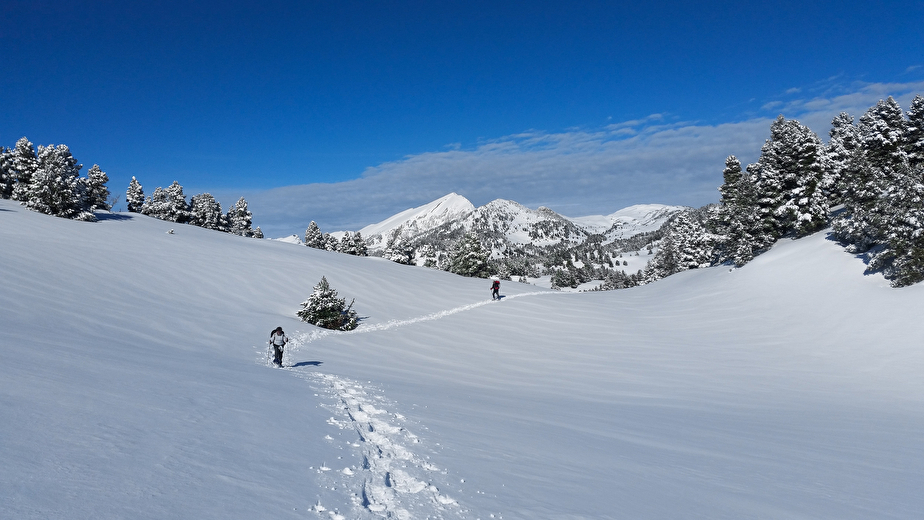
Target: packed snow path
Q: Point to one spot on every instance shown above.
(305, 338)
(389, 479)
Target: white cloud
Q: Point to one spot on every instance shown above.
(577, 172)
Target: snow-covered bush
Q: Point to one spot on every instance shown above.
(324, 309)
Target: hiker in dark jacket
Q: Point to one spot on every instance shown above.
(278, 340)
(495, 290)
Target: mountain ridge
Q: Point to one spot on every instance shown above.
(503, 224)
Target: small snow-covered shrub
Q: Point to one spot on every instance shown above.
(324, 309)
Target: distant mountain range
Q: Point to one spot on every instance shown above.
(506, 226)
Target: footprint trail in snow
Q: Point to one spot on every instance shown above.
(390, 480)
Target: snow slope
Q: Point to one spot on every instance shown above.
(133, 384)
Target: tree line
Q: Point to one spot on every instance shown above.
(867, 183)
(47, 180)
(202, 210)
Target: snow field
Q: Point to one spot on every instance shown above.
(789, 388)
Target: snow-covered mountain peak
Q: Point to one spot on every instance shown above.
(629, 221)
(413, 221)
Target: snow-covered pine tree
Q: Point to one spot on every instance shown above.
(860, 224)
(55, 188)
(914, 138)
(134, 196)
(24, 165)
(736, 229)
(844, 141)
(686, 245)
(789, 172)
(331, 243)
(346, 244)
(720, 218)
(239, 219)
(564, 278)
(503, 271)
(882, 131)
(469, 258)
(206, 212)
(96, 191)
(398, 251)
(745, 237)
(177, 209)
(901, 258)
(359, 245)
(313, 236)
(157, 205)
(731, 175)
(325, 309)
(257, 232)
(7, 174)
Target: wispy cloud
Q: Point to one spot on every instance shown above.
(576, 172)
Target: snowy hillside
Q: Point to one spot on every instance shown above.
(134, 384)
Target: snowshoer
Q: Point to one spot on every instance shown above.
(495, 290)
(278, 340)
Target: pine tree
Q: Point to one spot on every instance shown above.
(177, 209)
(205, 212)
(731, 175)
(789, 173)
(96, 191)
(564, 278)
(134, 196)
(157, 205)
(745, 236)
(346, 244)
(239, 219)
(313, 236)
(257, 232)
(359, 245)
(902, 256)
(468, 258)
(914, 138)
(686, 245)
(721, 217)
(737, 231)
(331, 243)
(324, 309)
(882, 132)
(398, 251)
(55, 187)
(24, 165)
(7, 173)
(860, 224)
(844, 141)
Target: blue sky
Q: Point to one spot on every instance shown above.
(347, 112)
